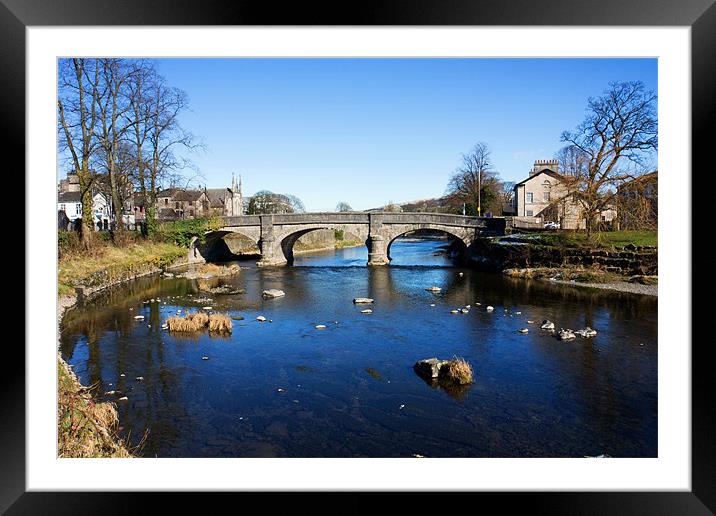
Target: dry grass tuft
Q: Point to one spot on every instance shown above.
(200, 319)
(220, 323)
(211, 268)
(183, 324)
(85, 428)
(458, 371)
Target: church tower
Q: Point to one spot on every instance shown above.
(237, 199)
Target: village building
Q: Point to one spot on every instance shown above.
(543, 198)
(69, 205)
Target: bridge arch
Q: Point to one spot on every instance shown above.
(286, 238)
(213, 248)
(463, 237)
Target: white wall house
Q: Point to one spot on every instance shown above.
(71, 204)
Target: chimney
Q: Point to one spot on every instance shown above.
(541, 164)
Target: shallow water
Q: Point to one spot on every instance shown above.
(283, 388)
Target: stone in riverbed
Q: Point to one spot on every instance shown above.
(566, 335)
(366, 311)
(433, 289)
(524, 330)
(272, 293)
(261, 318)
(320, 326)
(547, 325)
(362, 300)
(586, 332)
(139, 317)
(429, 368)
(489, 308)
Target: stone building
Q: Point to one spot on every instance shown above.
(543, 197)
(175, 203)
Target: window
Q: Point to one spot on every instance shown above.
(166, 201)
(176, 205)
(78, 208)
(62, 207)
(191, 203)
(529, 197)
(546, 196)
(529, 213)
(191, 213)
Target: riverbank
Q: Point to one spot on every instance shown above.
(108, 265)
(85, 428)
(590, 278)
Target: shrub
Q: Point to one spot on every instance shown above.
(458, 371)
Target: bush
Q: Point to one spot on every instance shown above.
(182, 232)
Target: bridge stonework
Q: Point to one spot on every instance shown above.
(276, 234)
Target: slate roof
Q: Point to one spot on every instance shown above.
(188, 195)
(68, 197)
(543, 171)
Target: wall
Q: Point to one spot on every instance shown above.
(493, 254)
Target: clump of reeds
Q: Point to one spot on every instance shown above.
(185, 324)
(200, 319)
(220, 323)
(458, 371)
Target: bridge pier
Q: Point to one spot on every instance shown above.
(377, 250)
(271, 253)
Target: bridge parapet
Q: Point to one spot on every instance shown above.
(356, 218)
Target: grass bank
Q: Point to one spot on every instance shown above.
(605, 239)
(85, 428)
(108, 264)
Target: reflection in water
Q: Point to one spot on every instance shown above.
(284, 388)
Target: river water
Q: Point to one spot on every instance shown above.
(283, 388)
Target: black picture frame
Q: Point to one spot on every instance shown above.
(700, 15)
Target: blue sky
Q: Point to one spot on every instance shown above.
(370, 131)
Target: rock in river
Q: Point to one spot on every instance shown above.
(429, 367)
(272, 293)
(586, 332)
(362, 300)
(566, 335)
(433, 289)
(366, 311)
(547, 325)
(261, 318)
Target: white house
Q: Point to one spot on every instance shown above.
(70, 203)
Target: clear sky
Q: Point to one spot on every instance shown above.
(370, 131)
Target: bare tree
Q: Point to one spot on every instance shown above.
(114, 123)
(343, 206)
(77, 103)
(268, 202)
(475, 183)
(611, 146)
(154, 109)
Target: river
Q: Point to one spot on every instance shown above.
(283, 388)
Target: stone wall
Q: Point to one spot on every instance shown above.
(499, 254)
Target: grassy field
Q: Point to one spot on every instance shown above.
(603, 239)
(108, 263)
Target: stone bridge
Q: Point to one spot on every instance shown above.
(275, 234)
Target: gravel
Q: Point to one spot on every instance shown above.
(621, 286)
